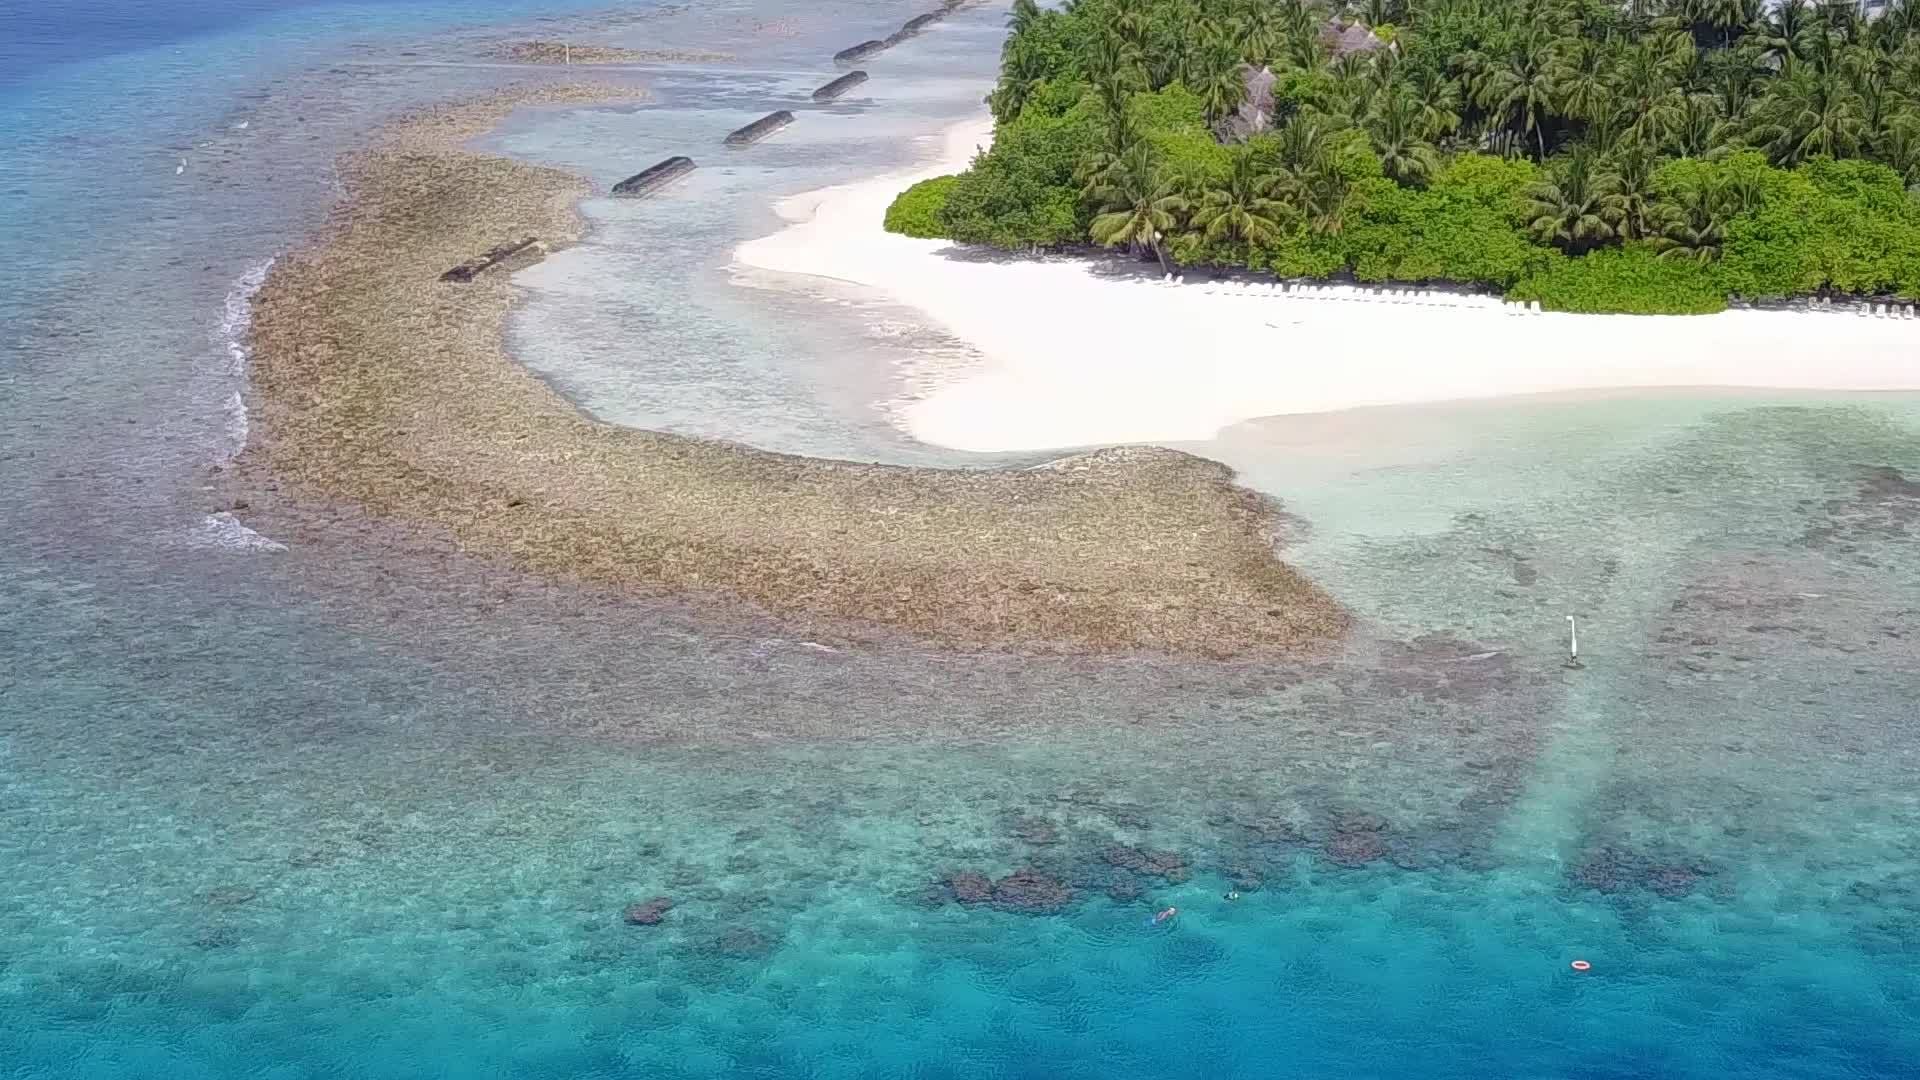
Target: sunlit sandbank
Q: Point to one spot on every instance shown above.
(1087, 351)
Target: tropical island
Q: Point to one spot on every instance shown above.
(1653, 158)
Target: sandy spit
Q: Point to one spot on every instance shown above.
(377, 384)
(1088, 351)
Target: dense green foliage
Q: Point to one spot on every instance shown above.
(1022, 192)
(1652, 156)
(1631, 279)
(917, 211)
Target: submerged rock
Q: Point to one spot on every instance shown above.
(1356, 848)
(1036, 831)
(970, 888)
(1031, 892)
(1610, 868)
(1361, 822)
(1672, 882)
(231, 895)
(1170, 865)
(216, 937)
(649, 912)
(1245, 879)
(744, 942)
(1358, 839)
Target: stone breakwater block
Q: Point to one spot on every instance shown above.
(840, 86)
(480, 264)
(653, 178)
(760, 128)
(914, 26)
(858, 52)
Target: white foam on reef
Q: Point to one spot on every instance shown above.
(236, 320)
(223, 532)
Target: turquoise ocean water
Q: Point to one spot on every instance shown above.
(343, 811)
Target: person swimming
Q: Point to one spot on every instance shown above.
(1163, 916)
(1233, 894)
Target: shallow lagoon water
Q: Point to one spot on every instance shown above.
(343, 810)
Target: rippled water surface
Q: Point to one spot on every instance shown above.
(346, 810)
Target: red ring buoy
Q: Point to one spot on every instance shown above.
(1582, 965)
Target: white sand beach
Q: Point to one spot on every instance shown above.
(1083, 352)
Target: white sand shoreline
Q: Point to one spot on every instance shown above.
(1078, 355)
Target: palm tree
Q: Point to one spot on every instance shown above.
(1320, 191)
(1896, 25)
(1243, 211)
(1114, 58)
(1583, 81)
(1374, 13)
(1647, 98)
(1869, 72)
(1399, 140)
(1578, 206)
(1100, 168)
(1439, 99)
(1698, 126)
(1023, 15)
(1694, 227)
(1141, 206)
(1726, 16)
(1257, 26)
(1898, 148)
(1521, 89)
(1309, 179)
(1840, 17)
(1131, 19)
(1300, 23)
(1785, 32)
(1021, 77)
(1737, 75)
(1221, 82)
(1808, 114)
(1900, 19)
(1303, 145)
(1178, 43)
(1632, 168)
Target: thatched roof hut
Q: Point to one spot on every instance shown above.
(1340, 40)
(1255, 114)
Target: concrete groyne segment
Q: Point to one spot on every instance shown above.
(840, 86)
(654, 177)
(519, 252)
(915, 25)
(760, 128)
(859, 52)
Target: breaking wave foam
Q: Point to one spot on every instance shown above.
(236, 318)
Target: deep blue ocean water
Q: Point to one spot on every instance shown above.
(341, 811)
